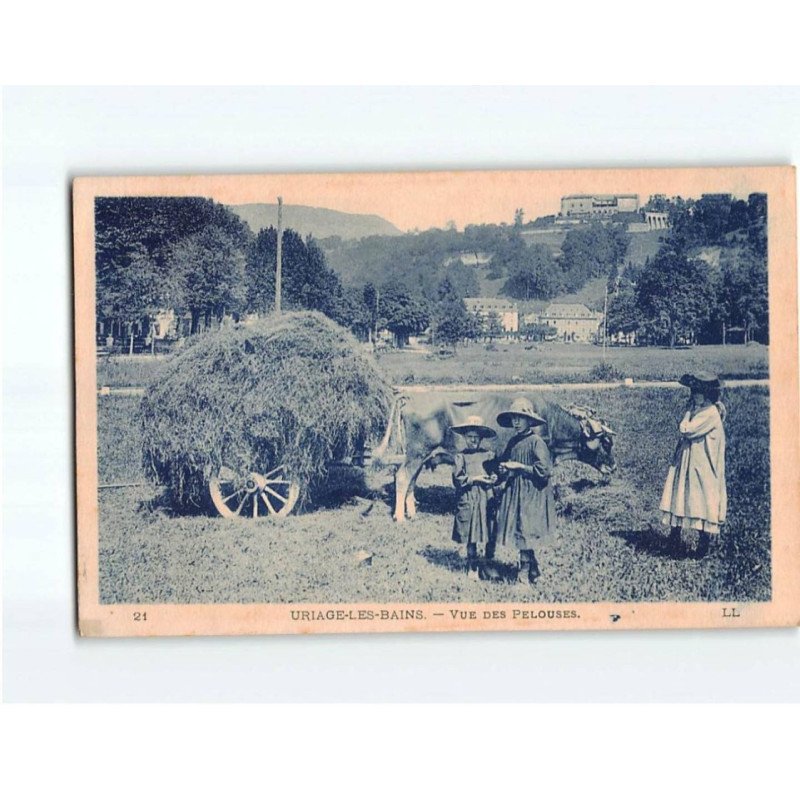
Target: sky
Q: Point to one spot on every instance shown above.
(424, 200)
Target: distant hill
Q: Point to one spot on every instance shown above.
(320, 222)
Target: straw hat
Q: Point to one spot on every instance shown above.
(701, 380)
(474, 423)
(523, 407)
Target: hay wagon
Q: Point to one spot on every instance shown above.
(256, 418)
(274, 493)
(252, 420)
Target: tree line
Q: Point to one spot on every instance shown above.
(198, 258)
(679, 296)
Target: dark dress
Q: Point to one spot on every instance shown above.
(527, 506)
(471, 523)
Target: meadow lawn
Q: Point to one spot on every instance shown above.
(515, 362)
(608, 545)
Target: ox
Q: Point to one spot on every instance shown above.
(419, 436)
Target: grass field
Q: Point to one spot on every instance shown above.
(520, 362)
(510, 362)
(608, 545)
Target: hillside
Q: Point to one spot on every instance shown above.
(319, 222)
(550, 237)
(644, 245)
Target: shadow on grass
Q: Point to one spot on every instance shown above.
(646, 540)
(164, 504)
(450, 560)
(454, 561)
(435, 499)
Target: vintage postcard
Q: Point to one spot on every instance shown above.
(453, 401)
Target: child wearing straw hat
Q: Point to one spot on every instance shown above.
(695, 496)
(526, 512)
(472, 523)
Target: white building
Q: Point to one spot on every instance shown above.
(573, 321)
(486, 306)
(597, 205)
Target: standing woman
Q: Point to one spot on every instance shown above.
(695, 496)
(527, 511)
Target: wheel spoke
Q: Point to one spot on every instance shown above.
(281, 480)
(273, 471)
(225, 499)
(255, 504)
(275, 494)
(241, 505)
(269, 505)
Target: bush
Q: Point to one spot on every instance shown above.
(605, 372)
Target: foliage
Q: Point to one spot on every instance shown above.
(306, 280)
(623, 311)
(463, 279)
(402, 312)
(735, 295)
(135, 241)
(743, 295)
(539, 332)
(452, 321)
(675, 296)
(210, 265)
(493, 325)
(592, 251)
(605, 372)
(532, 275)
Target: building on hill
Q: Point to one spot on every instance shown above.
(598, 205)
(469, 259)
(573, 321)
(486, 306)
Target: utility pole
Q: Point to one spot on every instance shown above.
(605, 323)
(377, 301)
(280, 255)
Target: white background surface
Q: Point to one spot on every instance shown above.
(51, 135)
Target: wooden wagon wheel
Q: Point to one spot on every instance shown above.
(237, 495)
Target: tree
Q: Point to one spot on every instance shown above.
(744, 297)
(404, 313)
(757, 223)
(592, 251)
(539, 331)
(260, 271)
(623, 314)
(473, 326)
(212, 266)
(135, 238)
(452, 322)
(494, 325)
(675, 296)
(307, 282)
(519, 216)
(446, 292)
(534, 276)
(349, 310)
(135, 293)
(463, 279)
